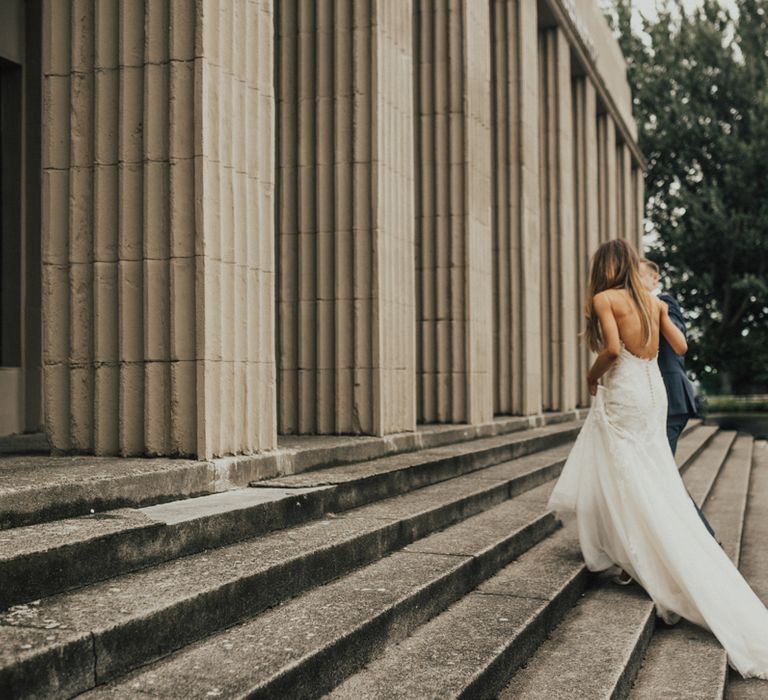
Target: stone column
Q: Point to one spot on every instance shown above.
(586, 211)
(235, 221)
(157, 226)
(453, 203)
(558, 258)
(606, 138)
(611, 178)
(620, 190)
(638, 179)
(515, 163)
(625, 193)
(346, 280)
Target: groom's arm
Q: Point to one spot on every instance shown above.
(675, 312)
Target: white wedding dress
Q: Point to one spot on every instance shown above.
(633, 511)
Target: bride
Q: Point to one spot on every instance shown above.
(620, 479)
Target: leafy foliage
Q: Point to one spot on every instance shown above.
(700, 86)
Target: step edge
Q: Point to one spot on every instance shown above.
(197, 479)
(398, 541)
(541, 526)
(636, 653)
(315, 505)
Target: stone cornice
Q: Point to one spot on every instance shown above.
(570, 16)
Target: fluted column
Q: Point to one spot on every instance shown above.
(607, 173)
(345, 208)
(586, 205)
(515, 168)
(625, 194)
(157, 226)
(453, 228)
(558, 254)
(638, 179)
(611, 179)
(234, 88)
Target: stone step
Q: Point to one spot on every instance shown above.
(47, 558)
(686, 661)
(472, 649)
(597, 649)
(754, 562)
(59, 645)
(310, 644)
(688, 450)
(356, 484)
(65, 643)
(40, 488)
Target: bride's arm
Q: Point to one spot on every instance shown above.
(611, 341)
(675, 337)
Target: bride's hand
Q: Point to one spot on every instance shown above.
(592, 384)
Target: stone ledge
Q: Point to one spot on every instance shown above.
(300, 453)
(36, 488)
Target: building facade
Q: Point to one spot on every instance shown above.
(243, 218)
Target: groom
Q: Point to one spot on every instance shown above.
(681, 399)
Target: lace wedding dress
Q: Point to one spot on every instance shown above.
(632, 511)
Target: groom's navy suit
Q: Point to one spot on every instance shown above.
(681, 399)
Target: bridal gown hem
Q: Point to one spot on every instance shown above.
(633, 511)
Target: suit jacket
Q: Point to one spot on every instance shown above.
(681, 397)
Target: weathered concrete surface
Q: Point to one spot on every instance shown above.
(683, 661)
(175, 512)
(460, 643)
(387, 477)
(46, 657)
(473, 646)
(48, 558)
(312, 643)
(518, 444)
(609, 626)
(474, 534)
(137, 617)
(38, 488)
(44, 559)
(692, 444)
(175, 603)
(708, 465)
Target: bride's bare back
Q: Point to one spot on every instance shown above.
(629, 324)
(620, 325)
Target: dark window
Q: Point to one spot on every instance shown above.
(10, 214)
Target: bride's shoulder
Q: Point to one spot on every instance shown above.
(609, 295)
(603, 300)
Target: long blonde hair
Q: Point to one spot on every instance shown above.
(615, 265)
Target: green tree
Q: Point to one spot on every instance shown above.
(700, 86)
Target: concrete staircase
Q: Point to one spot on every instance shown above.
(434, 572)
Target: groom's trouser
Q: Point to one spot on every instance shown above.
(675, 425)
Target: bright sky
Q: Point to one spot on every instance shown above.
(647, 7)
